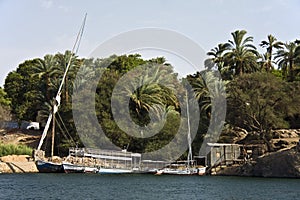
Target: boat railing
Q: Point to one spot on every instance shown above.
(102, 153)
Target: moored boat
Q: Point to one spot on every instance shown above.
(114, 171)
(88, 160)
(181, 170)
(178, 168)
(188, 166)
(73, 168)
(201, 171)
(49, 167)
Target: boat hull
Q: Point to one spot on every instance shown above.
(49, 167)
(72, 168)
(194, 171)
(179, 172)
(201, 171)
(114, 171)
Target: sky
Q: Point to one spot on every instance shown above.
(33, 28)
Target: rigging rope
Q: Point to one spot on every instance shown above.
(64, 126)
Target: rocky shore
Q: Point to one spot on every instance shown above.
(284, 164)
(17, 164)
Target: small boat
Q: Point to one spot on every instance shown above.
(188, 166)
(201, 171)
(114, 171)
(175, 169)
(73, 168)
(178, 168)
(49, 167)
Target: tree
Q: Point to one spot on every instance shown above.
(207, 86)
(288, 58)
(201, 92)
(152, 87)
(260, 102)
(24, 91)
(44, 70)
(4, 106)
(265, 62)
(270, 44)
(242, 55)
(217, 55)
(62, 63)
(4, 101)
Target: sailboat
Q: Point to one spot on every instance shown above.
(50, 165)
(187, 167)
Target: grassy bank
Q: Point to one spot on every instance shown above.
(10, 149)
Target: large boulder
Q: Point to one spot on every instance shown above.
(284, 163)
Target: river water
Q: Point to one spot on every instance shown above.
(94, 186)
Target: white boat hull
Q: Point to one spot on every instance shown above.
(114, 171)
(179, 171)
(72, 168)
(201, 171)
(193, 171)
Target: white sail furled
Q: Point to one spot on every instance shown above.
(45, 132)
(58, 98)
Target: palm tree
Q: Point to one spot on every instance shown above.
(85, 74)
(156, 89)
(217, 54)
(202, 93)
(62, 62)
(287, 59)
(44, 69)
(242, 55)
(265, 62)
(151, 89)
(270, 44)
(146, 96)
(207, 87)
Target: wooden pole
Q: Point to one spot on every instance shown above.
(53, 131)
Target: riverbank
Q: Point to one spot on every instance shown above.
(17, 164)
(284, 162)
(281, 164)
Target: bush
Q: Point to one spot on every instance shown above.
(10, 149)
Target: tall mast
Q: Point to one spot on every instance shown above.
(190, 156)
(57, 98)
(53, 132)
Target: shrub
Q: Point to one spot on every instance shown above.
(10, 149)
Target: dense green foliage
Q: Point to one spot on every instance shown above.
(4, 101)
(4, 106)
(261, 90)
(10, 149)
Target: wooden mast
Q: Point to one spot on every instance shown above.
(53, 130)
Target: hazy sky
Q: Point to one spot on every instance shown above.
(33, 28)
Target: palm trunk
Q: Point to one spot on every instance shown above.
(291, 70)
